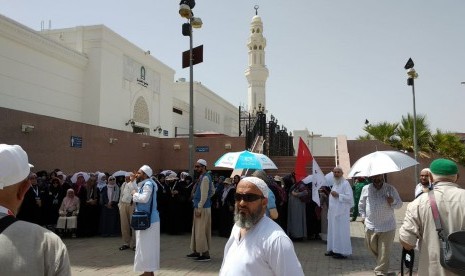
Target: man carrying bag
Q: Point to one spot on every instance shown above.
(147, 257)
(419, 222)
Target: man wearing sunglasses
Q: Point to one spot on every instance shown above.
(257, 245)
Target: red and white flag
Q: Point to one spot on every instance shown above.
(318, 180)
(304, 157)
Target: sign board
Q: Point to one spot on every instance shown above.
(197, 56)
(165, 132)
(75, 142)
(202, 149)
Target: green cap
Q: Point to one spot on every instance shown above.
(443, 166)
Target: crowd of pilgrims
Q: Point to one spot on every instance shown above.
(93, 201)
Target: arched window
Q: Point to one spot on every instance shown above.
(142, 72)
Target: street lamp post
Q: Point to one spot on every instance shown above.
(185, 10)
(412, 75)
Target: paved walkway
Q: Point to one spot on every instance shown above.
(100, 256)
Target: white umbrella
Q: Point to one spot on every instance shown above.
(245, 160)
(167, 172)
(381, 162)
(119, 173)
(75, 176)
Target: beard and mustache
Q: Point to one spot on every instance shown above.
(247, 220)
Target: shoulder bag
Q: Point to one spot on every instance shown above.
(453, 248)
(140, 220)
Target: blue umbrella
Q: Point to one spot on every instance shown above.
(245, 160)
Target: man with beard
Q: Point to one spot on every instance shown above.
(147, 256)
(341, 199)
(257, 245)
(425, 184)
(201, 229)
(376, 206)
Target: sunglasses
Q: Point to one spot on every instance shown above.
(247, 197)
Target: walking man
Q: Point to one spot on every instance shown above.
(376, 207)
(201, 227)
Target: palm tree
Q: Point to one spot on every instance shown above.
(383, 132)
(405, 132)
(365, 137)
(448, 145)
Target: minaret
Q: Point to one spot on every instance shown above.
(257, 73)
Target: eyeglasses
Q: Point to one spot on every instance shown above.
(247, 197)
(422, 175)
(111, 179)
(197, 166)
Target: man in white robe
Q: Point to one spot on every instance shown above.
(257, 245)
(341, 199)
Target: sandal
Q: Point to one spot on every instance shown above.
(124, 247)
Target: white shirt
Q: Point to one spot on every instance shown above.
(373, 206)
(265, 250)
(126, 190)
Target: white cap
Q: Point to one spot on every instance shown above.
(147, 170)
(202, 162)
(14, 165)
(261, 185)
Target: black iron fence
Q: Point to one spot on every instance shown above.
(275, 139)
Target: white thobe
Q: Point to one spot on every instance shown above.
(338, 239)
(265, 250)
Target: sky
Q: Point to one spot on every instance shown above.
(332, 63)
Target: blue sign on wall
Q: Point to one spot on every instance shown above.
(202, 149)
(75, 142)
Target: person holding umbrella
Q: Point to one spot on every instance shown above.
(376, 207)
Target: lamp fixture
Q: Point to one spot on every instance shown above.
(112, 140)
(185, 8)
(176, 146)
(159, 129)
(144, 145)
(227, 146)
(130, 122)
(27, 128)
(196, 22)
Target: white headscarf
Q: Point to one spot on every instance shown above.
(101, 183)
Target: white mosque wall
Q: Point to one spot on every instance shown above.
(125, 82)
(38, 75)
(211, 112)
(92, 75)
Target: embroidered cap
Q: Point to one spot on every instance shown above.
(443, 166)
(14, 165)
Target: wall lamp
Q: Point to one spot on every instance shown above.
(130, 122)
(176, 146)
(227, 146)
(159, 129)
(112, 140)
(27, 128)
(144, 145)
